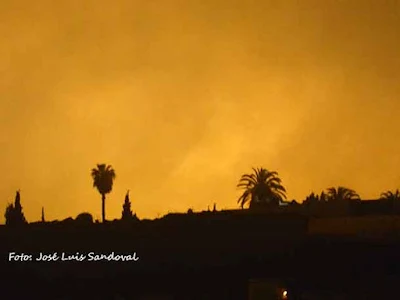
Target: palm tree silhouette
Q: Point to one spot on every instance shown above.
(390, 196)
(341, 193)
(261, 187)
(392, 199)
(103, 178)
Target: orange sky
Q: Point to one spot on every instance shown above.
(182, 97)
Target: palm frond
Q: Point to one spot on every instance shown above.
(244, 198)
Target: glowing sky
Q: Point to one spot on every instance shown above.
(182, 97)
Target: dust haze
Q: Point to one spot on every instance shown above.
(181, 98)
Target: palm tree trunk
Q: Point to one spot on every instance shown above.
(103, 207)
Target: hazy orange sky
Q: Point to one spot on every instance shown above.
(182, 97)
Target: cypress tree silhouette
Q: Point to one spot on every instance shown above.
(14, 215)
(126, 208)
(43, 220)
(19, 215)
(9, 214)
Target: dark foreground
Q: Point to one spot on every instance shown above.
(214, 262)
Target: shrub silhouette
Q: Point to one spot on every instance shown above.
(68, 220)
(311, 199)
(84, 218)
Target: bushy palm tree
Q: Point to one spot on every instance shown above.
(261, 187)
(391, 196)
(103, 179)
(341, 193)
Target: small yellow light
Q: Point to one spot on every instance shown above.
(284, 294)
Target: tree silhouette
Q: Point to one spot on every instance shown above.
(391, 196)
(126, 208)
(311, 199)
(323, 197)
(103, 179)
(84, 218)
(43, 220)
(341, 193)
(14, 215)
(9, 214)
(261, 187)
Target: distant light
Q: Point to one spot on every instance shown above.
(284, 294)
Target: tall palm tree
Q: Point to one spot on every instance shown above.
(103, 179)
(390, 196)
(261, 187)
(342, 193)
